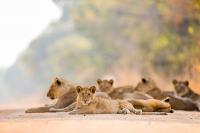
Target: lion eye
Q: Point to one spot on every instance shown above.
(88, 94)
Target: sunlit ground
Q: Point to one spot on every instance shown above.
(19, 122)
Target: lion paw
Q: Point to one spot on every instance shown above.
(52, 109)
(125, 111)
(138, 112)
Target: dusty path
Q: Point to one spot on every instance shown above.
(19, 122)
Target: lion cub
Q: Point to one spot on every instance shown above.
(182, 89)
(88, 103)
(122, 92)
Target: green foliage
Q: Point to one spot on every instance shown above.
(162, 31)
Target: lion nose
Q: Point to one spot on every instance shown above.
(182, 88)
(85, 101)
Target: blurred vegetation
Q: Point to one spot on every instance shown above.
(166, 33)
(93, 37)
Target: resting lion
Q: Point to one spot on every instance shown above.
(65, 93)
(152, 105)
(88, 103)
(122, 92)
(138, 99)
(148, 86)
(183, 90)
(59, 89)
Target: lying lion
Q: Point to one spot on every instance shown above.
(59, 89)
(88, 103)
(138, 99)
(63, 91)
(152, 105)
(183, 90)
(149, 87)
(122, 92)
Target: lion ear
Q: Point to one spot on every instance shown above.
(144, 80)
(78, 89)
(111, 81)
(167, 99)
(174, 81)
(99, 81)
(186, 82)
(93, 89)
(58, 82)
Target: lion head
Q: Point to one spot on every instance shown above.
(105, 85)
(146, 85)
(85, 94)
(57, 88)
(181, 87)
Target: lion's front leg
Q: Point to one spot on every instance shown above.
(70, 107)
(66, 109)
(81, 111)
(56, 110)
(124, 111)
(136, 111)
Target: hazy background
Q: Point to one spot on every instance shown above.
(81, 40)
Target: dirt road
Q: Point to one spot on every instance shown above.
(16, 121)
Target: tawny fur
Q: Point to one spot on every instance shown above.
(147, 103)
(149, 87)
(65, 93)
(88, 103)
(183, 90)
(152, 105)
(73, 105)
(59, 89)
(122, 92)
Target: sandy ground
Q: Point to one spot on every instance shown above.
(16, 121)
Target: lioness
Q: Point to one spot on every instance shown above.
(59, 89)
(182, 89)
(122, 92)
(148, 86)
(152, 105)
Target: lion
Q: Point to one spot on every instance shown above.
(122, 92)
(66, 94)
(152, 105)
(183, 90)
(146, 102)
(59, 89)
(148, 86)
(88, 103)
